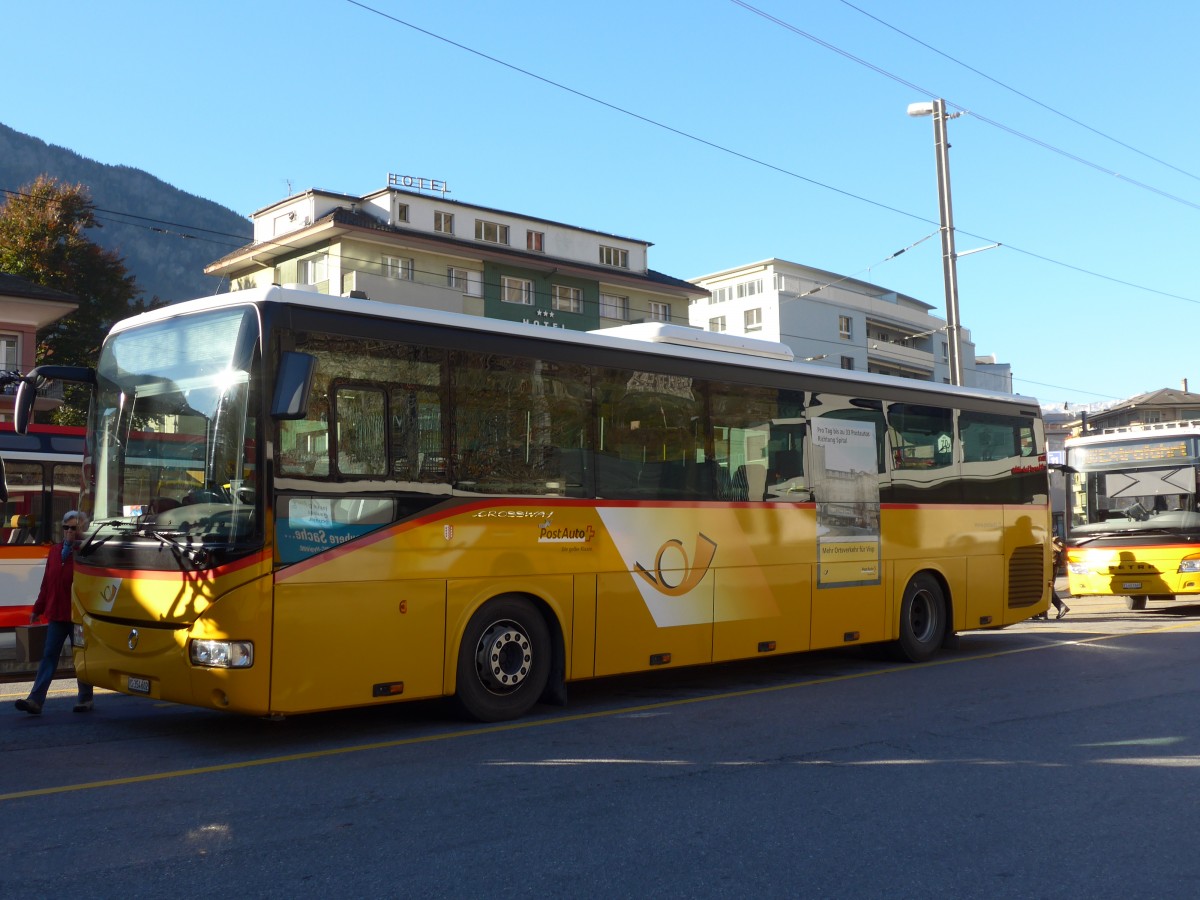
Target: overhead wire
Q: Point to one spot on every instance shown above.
(931, 93)
(118, 217)
(754, 160)
(1019, 93)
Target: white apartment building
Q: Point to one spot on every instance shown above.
(408, 243)
(840, 321)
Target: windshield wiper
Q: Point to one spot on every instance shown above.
(93, 540)
(197, 556)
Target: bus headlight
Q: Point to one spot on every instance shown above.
(222, 654)
(77, 635)
(1189, 565)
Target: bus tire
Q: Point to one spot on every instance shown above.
(504, 660)
(922, 619)
(1137, 602)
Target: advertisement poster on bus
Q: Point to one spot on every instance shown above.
(847, 494)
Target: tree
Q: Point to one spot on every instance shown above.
(42, 239)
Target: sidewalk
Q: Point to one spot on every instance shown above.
(11, 670)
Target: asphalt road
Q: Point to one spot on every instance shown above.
(1054, 759)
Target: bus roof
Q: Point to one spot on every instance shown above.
(1140, 432)
(653, 338)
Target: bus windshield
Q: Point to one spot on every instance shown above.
(173, 438)
(1132, 496)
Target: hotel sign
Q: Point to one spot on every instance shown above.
(417, 183)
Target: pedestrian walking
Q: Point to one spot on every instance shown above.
(54, 602)
(1056, 600)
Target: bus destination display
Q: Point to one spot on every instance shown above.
(1126, 454)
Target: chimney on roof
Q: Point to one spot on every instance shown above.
(1185, 390)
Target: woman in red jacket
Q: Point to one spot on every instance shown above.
(54, 602)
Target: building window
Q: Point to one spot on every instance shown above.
(457, 278)
(443, 222)
(787, 283)
(752, 319)
(614, 256)
(492, 232)
(567, 299)
(9, 359)
(749, 288)
(314, 269)
(660, 312)
(398, 267)
(720, 295)
(614, 307)
(401, 212)
(844, 328)
(847, 362)
(517, 290)
(535, 241)
(945, 351)
(716, 324)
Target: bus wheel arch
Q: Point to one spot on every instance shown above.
(925, 618)
(507, 658)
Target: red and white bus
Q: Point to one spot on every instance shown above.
(42, 469)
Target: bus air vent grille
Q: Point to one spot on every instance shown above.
(1026, 575)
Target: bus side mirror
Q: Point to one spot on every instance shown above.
(27, 392)
(23, 407)
(293, 385)
(3, 485)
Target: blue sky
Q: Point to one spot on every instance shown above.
(795, 142)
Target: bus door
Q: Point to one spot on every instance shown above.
(846, 444)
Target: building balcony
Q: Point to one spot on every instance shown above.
(890, 354)
(409, 292)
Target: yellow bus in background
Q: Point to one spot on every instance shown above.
(1134, 527)
(392, 503)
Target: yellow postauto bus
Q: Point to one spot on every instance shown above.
(391, 503)
(1134, 524)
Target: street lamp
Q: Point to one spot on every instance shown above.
(937, 109)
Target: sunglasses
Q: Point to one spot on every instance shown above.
(70, 528)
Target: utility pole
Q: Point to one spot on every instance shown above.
(937, 109)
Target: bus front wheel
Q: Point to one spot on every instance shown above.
(1138, 602)
(922, 619)
(504, 660)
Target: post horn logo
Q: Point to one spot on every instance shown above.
(703, 555)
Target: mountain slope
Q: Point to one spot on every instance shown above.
(164, 235)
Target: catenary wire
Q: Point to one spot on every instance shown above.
(930, 93)
(1019, 93)
(542, 295)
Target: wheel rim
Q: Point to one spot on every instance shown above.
(922, 615)
(503, 657)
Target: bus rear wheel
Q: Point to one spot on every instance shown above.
(504, 660)
(1138, 602)
(922, 619)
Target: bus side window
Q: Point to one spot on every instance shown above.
(923, 454)
(993, 447)
(921, 436)
(20, 530)
(360, 433)
(26, 489)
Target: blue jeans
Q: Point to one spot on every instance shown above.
(56, 635)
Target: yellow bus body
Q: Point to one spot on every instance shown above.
(1151, 570)
(626, 587)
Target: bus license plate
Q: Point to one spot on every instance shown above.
(1132, 585)
(139, 685)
